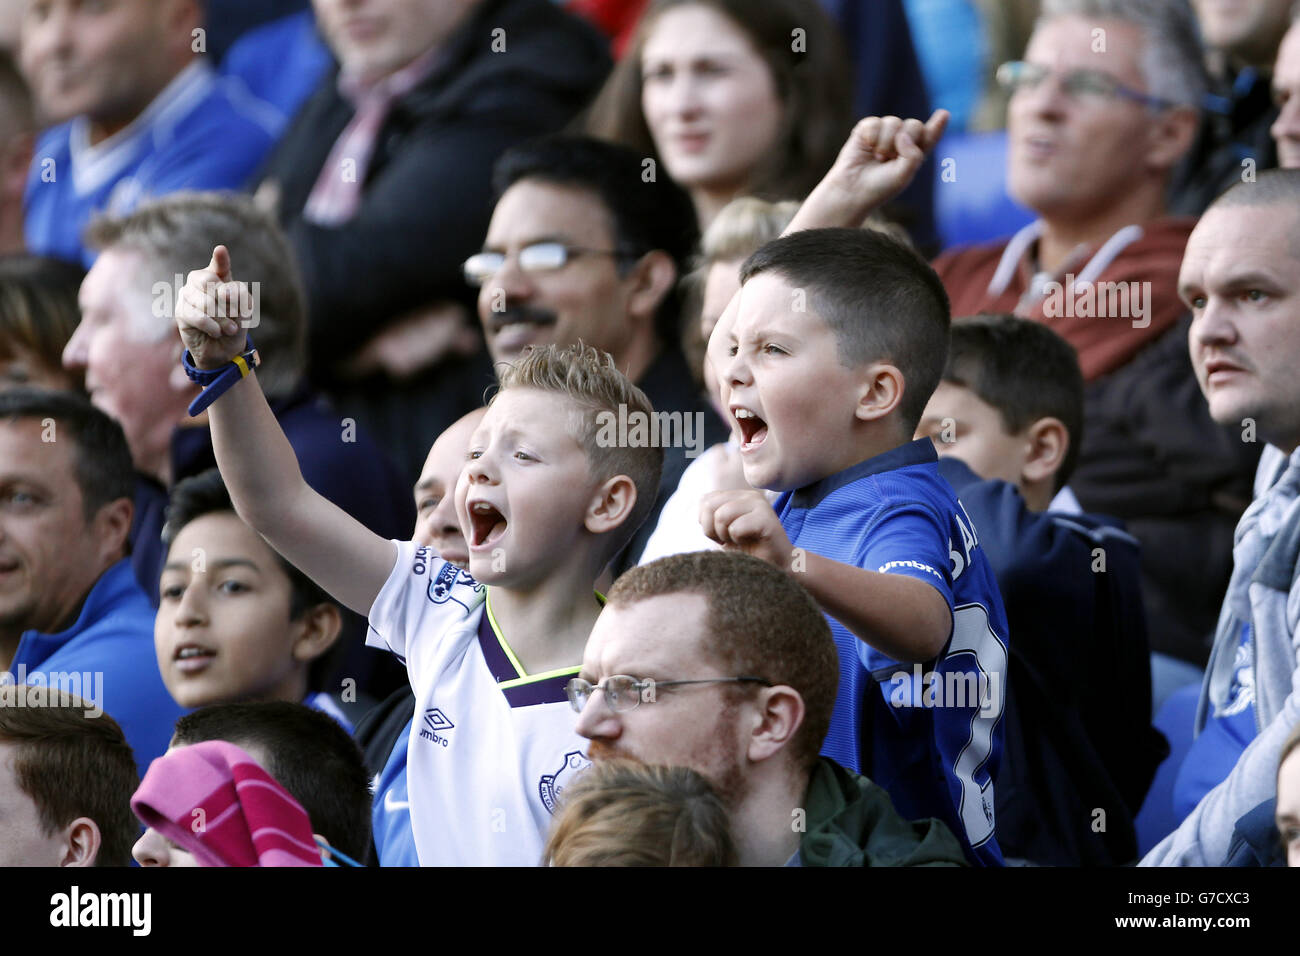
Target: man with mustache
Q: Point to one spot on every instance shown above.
(722, 663)
(1241, 279)
(586, 243)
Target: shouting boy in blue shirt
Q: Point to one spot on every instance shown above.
(826, 360)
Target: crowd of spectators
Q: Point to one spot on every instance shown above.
(516, 432)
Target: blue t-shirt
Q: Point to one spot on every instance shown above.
(390, 816)
(202, 132)
(930, 734)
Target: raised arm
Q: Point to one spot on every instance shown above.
(259, 465)
(877, 161)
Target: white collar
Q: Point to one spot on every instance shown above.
(1019, 244)
(94, 166)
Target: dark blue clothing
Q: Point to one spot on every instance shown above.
(338, 460)
(281, 62)
(171, 146)
(1255, 840)
(1078, 721)
(112, 642)
(931, 735)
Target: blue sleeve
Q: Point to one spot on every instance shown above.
(910, 540)
(907, 540)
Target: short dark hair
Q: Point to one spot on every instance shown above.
(646, 215)
(205, 494)
(73, 765)
(1024, 370)
(761, 623)
(881, 299)
(309, 754)
(38, 306)
(102, 464)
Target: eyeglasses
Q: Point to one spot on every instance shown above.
(623, 693)
(1092, 85)
(538, 257)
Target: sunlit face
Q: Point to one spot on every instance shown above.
(1067, 155)
(709, 99)
(130, 376)
(963, 425)
(524, 493)
(222, 632)
(1241, 279)
(586, 299)
(373, 38)
(785, 390)
(1286, 93)
(697, 726)
(1288, 806)
(436, 523)
(95, 57)
(42, 522)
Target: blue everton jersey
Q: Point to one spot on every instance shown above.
(202, 132)
(930, 734)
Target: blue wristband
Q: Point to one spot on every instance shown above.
(217, 381)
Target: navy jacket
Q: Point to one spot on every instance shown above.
(1079, 735)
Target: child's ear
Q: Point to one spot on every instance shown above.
(611, 505)
(1048, 442)
(82, 842)
(320, 629)
(881, 391)
(651, 279)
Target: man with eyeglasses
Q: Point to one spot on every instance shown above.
(1102, 108)
(720, 662)
(586, 244)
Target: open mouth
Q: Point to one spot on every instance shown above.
(190, 658)
(487, 524)
(753, 430)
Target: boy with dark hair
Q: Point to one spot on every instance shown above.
(309, 754)
(545, 505)
(826, 359)
(1010, 405)
(236, 622)
(66, 779)
(1006, 422)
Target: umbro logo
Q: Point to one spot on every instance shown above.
(436, 721)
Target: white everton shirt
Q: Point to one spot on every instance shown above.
(491, 747)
